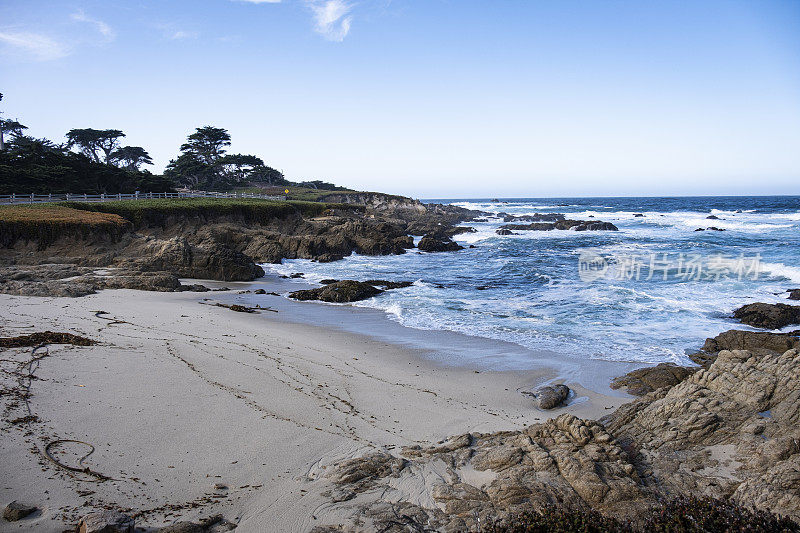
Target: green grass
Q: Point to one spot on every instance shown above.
(302, 194)
(251, 210)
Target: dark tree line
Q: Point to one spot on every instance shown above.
(91, 161)
(205, 164)
(96, 161)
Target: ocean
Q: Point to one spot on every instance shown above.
(651, 292)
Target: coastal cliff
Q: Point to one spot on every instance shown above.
(219, 240)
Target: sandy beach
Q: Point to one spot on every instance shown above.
(195, 410)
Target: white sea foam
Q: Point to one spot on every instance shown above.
(792, 273)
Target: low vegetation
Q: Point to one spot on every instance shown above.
(252, 210)
(45, 223)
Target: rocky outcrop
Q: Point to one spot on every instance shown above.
(207, 260)
(723, 431)
(339, 292)
(768, 316)
(343, 291)
(225, 244)
(575, 225)
(754, 341)
(729, 431)
(48, 281)
(794, 294)
(645, 380)
(434, 242)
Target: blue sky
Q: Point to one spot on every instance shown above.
(431, 98)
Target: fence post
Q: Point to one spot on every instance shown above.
(102, 197)
(31, 198)
(13, 197)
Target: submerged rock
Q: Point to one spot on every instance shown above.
(794, 294)
(338, 292)
(388, 285)
(594, 226)
(575, 225)
(437, 243)
(768, 316)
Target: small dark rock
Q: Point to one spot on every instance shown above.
(106, 522)
(17, 511)
(794, 294)
(503, 231)
(259, 291)
(712, 217)
(328, 258)
(638, 215)
(435, 243)
(550, 396)
(296, 275)
(192, 288)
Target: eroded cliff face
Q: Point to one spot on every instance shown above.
(729, 432)
(227, 246)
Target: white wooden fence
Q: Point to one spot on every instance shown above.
(40, 198)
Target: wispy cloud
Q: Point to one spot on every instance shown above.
(170, 31)
(331, 18)
(259, 1)
(104, 29)
(182, 34)
(37, 46)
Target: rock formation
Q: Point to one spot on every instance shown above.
(338, 292)
(575, 225)
(729, 431)
(768, 316)
(434, 242)
(222, 245)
